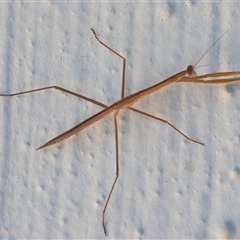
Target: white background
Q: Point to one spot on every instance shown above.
(168, 187)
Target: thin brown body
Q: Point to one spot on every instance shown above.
(134, 97)
(125, 102)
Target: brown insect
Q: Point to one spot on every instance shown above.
(188, 76)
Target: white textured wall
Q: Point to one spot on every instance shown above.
(168, 187)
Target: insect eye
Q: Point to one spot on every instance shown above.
(190, 70)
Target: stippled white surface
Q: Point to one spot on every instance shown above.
(168, 187)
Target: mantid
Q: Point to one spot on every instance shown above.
(188, 76)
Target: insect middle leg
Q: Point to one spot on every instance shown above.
(167, 122)
(123, 58)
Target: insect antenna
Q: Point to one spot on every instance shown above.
(209, 49)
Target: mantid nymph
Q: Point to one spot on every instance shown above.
(188, 76)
